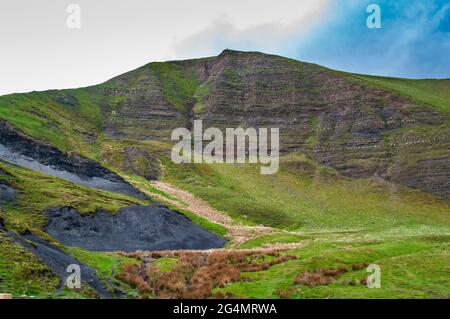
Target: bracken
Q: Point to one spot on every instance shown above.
(196, 274)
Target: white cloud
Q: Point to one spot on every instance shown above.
(270, 29)
(39, 51)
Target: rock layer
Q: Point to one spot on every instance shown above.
(360, 130)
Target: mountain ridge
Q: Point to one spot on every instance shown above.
(338, 119)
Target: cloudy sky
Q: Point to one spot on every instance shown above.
(39, 51)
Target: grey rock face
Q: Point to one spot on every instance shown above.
(22, 150)
(7, 193)
(133, 228)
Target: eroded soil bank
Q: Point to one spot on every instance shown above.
(153, 227)
(24, 151)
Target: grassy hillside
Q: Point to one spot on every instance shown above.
(37, 191)
(68, 119)
(435, 93)
(22, 273)
(414, 267)
(304, 196)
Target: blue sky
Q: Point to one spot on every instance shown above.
(414, 40)
(40, 51)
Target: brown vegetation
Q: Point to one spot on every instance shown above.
(286, 293)
(196, 274)
(359, 266)
(319, 277)
(328, 276)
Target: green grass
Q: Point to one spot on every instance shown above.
(107, 265)
(294, 200)
(21, 273)
(202, 222)
(37, 191)
(201, 92)
(312, 140)
(116, 148)
(165, 264)
(431, 92)
(67, 124)
(279, 238)
(412, 268)
(178, 86)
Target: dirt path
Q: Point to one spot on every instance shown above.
(238, 233)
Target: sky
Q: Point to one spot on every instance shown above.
(40, 50)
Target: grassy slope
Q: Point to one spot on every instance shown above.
(44, 116)
(107, 266)
(177, 86)
(21, 273)
(296, 201)
(38, 191)
(435, 93)
(416, 267)
(340, 221)
(146, 187)
(71, 119)
(111, 151)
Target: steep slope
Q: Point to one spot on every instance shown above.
(431, 92)
(361, 126)
(354, 126)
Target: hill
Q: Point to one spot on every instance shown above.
(364, 174)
